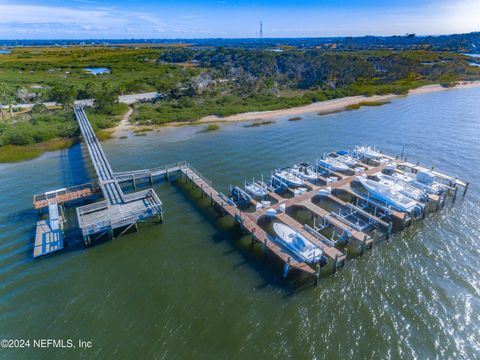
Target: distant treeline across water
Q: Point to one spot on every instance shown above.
(469, 42)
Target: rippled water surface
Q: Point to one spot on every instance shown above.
(193, 288)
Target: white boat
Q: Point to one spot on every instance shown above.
(298, 244)
(332, 164)
(343, 157)
(388, 195)
(431, 188)
(403, 187)
(288, 178)
(367, 152)
(305, 171)
(255, 190)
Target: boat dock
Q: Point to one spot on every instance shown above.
(354, 222)
(116, 211)
(361, 222)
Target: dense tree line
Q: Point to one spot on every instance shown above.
(315, 69)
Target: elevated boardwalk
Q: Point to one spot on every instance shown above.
(117, 210)
(110, 188)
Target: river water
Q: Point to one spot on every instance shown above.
(192, 287)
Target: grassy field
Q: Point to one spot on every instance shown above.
(29, 134)
(133, 69)
(15, 153)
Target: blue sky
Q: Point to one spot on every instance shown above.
(32, 19)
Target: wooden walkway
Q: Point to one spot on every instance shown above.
(62, 196)
(120, 210)
(256, 232)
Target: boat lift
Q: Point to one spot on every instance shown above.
(336, 239)
(240, 196)
(351, 217)
(278, 184)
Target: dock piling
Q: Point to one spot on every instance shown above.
(286, 267)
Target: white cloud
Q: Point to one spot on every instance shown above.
(86, 18)
(60, 22)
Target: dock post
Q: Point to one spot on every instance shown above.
(286, 267)
(317, 273)
(364, 244)
(335, 264)
(455, 194)
(252, 237)
(211, 199)
(389, 230)
(265, 248)
(465, 189)
(110, 234)
(133, 182)
(151, 179)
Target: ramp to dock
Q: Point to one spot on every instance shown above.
(118, 209)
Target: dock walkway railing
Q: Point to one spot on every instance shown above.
(195, 172)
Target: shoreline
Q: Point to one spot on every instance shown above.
(328, 106)
(321, 107)
(124, 127)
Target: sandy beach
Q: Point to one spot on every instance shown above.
(318, 107)
(330, 105)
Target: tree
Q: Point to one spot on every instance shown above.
(24, 96)
(90, 89)
(3, 98)
(65, 95)
(39, 108)
(105, 98)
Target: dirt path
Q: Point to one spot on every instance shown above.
(124, 125)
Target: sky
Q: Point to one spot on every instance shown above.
(116, 19)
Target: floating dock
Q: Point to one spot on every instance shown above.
(49, 234)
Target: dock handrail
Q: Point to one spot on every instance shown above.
(198, 173)
(163, 168)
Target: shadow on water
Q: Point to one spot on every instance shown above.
(73, 166)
